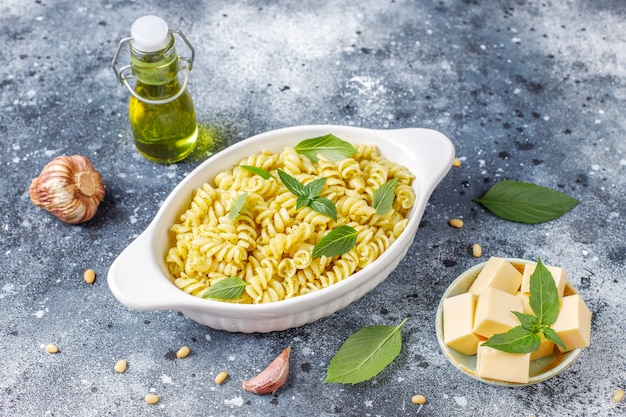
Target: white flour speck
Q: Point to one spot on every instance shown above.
(237, 401)
(369, 403)
(462, 401)
(166, 379)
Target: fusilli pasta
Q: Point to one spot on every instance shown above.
(269, 244)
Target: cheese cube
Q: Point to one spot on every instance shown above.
(525, 297)
(573, 325)
(495, 364)
(559, 275)
(498, 273)
(458, 320)
(493, 312)
(546, 348)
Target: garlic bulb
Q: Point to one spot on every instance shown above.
(68, 187)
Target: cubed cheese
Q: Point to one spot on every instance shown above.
(494, 312)
(525, 297)
(458, 321)
(573, 325)
(559, 275)
(495, 364)
(497, 273)
(546, 348)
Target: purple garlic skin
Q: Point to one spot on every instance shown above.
(70, 188)
(272, 377)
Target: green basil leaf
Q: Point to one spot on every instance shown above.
(302, 201)
(365, 354)
(323, 206)
(528, 321)
(384, 196)
(330, 146)
(292, 184)
(237, 205)
(259, 171)
(226, 289)
(516, 340)
(544, 296)
(526, 202)
(315, 187)
(552, 336)
(337, 242)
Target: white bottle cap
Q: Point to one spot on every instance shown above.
(149, 33)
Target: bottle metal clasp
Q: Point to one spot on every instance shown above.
(125, 74)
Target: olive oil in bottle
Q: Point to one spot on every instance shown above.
(161, 110)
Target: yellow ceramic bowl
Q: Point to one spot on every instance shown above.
(540, 369)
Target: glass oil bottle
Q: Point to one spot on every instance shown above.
(161, 110)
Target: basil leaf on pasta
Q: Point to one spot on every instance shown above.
(323, 206)
(330, 146)
(337, 242)
(238, 204)
(296, 187)
(226, 289)
(315, 187)
(259, 171)
(383, 197)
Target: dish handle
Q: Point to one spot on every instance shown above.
(138, 283)
(440, 149)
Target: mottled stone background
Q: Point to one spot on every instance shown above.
(531, 91)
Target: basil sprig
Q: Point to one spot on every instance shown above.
(525, 202)
(330, 146)
(544, 302)
(365, 354)
(226, 289)
(307, 195)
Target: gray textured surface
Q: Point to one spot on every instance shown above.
(532, 91)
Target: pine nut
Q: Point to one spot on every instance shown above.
(418, 399)
(183, 352)
(456, 163)
(52, 348)
(477, 250)
(151, 398)
(89, 276)
(120, 366)
(458, 223)
(221, 377)
(618, 396)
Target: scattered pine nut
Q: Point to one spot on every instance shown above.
(183, 352)
(120, 366)
(618, 396)
(456, 163)
(458, 223)
(418, 399)
(477, 250)
(151, 398)
(52, 348)
(89, 276)
(221, 377)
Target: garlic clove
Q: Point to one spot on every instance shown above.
(272, 377)
(70, 188)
